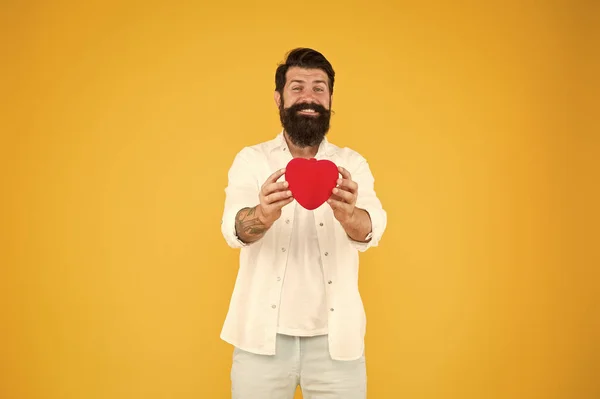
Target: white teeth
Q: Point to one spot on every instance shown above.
(308, 110)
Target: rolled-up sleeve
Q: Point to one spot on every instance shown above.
(241, 192)
(368, 200)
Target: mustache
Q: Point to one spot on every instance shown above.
(306, 106)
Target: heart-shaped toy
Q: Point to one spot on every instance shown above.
(311, 180)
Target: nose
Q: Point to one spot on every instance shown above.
(308, 96)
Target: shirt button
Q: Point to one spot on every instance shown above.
(282, 249)
(329, 282)
(278, 278)
(287, 221)
(326, 253)
(321, 224)
(331, 309)
(274, 306)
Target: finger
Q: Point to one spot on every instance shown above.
(279, 204)
(274, 187)
(339, 205)
(278, 196)
(273, 178)
(344, 172)
(344, 195)
(348, 185)
(335, 197)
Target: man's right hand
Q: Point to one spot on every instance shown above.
(273, 197)
(252, 223)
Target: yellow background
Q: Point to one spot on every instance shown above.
(121, 119)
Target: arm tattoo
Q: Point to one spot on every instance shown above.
(247, 225)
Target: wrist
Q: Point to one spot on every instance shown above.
(261, 217)
(350, 222)
(358, 225)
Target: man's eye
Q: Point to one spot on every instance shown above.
(296, 88)
(318, 89)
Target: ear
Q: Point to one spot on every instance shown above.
(277, 98)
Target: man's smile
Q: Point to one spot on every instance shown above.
(308, 111)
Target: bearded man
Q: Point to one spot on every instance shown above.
(296, 317)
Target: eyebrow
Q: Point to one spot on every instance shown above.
(304, 81)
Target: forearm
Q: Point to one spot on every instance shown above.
(248, 226)
(359, 226)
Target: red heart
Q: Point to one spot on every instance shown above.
(311, 180)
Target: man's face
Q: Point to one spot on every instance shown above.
(304, 108)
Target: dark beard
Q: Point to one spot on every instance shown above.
(305, 131)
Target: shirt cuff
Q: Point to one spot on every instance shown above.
(228, 230)
(378, 222)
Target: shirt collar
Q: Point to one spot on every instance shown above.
(325, 148)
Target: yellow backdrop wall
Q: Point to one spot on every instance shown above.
(121, 119)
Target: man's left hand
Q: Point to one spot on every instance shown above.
(343, 198)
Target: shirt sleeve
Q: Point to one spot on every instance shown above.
(368, 200)
(241, 192)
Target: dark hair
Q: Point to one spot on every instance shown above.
(303, 58)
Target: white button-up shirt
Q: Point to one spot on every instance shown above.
(252, 320)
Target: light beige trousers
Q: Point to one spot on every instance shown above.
(303, 361)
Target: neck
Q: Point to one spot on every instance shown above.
(300, 152)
